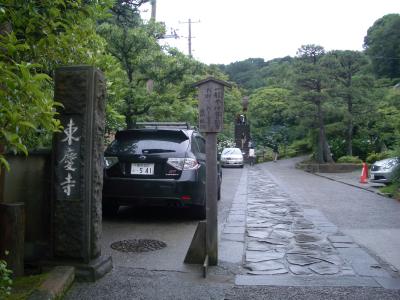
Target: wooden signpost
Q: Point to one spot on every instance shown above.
(211, 113)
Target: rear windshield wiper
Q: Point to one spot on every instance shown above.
(148, 151)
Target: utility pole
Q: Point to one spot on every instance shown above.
(190, 22)
(153, 9)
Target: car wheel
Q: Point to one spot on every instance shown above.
(110, 209)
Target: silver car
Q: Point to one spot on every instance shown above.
(382, 171)
(232, 157)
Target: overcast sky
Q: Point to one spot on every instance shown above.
(234, 30)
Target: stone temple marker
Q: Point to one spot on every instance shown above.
(78, 172)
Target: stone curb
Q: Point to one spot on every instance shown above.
(350, 184)
(57, 283)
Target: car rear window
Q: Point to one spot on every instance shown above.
(148, 141)
(231, 151)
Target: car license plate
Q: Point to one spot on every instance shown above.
(142, 169)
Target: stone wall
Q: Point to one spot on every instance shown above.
(28, 181)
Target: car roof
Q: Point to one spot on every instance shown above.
(132, 132)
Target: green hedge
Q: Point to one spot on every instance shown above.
(373, 157)
(350, 160)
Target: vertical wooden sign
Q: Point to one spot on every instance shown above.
(211, 121)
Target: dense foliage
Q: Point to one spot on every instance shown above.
(145, 82)
(334, 104)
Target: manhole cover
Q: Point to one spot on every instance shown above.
(142, 245)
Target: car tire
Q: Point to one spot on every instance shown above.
(110, 209)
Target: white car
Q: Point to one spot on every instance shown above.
(231, 157)
(382, 171)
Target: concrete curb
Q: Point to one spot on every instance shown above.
(57, 283)
(351, 184)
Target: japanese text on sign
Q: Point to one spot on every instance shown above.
(69, 158)
(211, 107)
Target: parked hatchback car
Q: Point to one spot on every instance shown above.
(160, 164)
(231, 157)
(382, 171)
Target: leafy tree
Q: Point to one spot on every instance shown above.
(352, 86)
(382, 45)
(268, 111)
(35, 37)
(311, 82)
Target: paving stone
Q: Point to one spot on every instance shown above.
(307, 238)
(362, 262)
(389, 283)
(236, 218)
(229, 229)
(230, 251)
(262, 234)
(345, 245)
(260, 225)
(275, 241)
(278, 211)
(265, 266)
(303, 224)
(324, 268)
(259, 246)
(300, 270)
(282, 226)
(331, 259)
(306, 281)
(301, 260)
(347, 270)
(236, 224)
(233, 237)
(278, 233)
(272, 272)
(340, 239)
(306, 247)
(257, 256)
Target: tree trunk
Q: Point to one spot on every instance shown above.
(350, 126)
(2, 176)
(324, 153)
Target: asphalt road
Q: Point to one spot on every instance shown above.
(161, 274)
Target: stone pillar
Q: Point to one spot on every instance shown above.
(78, 171)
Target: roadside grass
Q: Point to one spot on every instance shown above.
(23, 286)
(392, 190)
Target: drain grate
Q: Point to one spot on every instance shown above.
(141, 245)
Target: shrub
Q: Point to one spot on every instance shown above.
(373, 157)
(5, 279)
(350, 160)
(300, 147)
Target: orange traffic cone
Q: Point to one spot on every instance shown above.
(364, 174)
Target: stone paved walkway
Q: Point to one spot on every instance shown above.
(286, 244)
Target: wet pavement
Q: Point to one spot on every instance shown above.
(286, 244)
(284, 236)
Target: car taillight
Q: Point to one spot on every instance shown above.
(183, 163)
